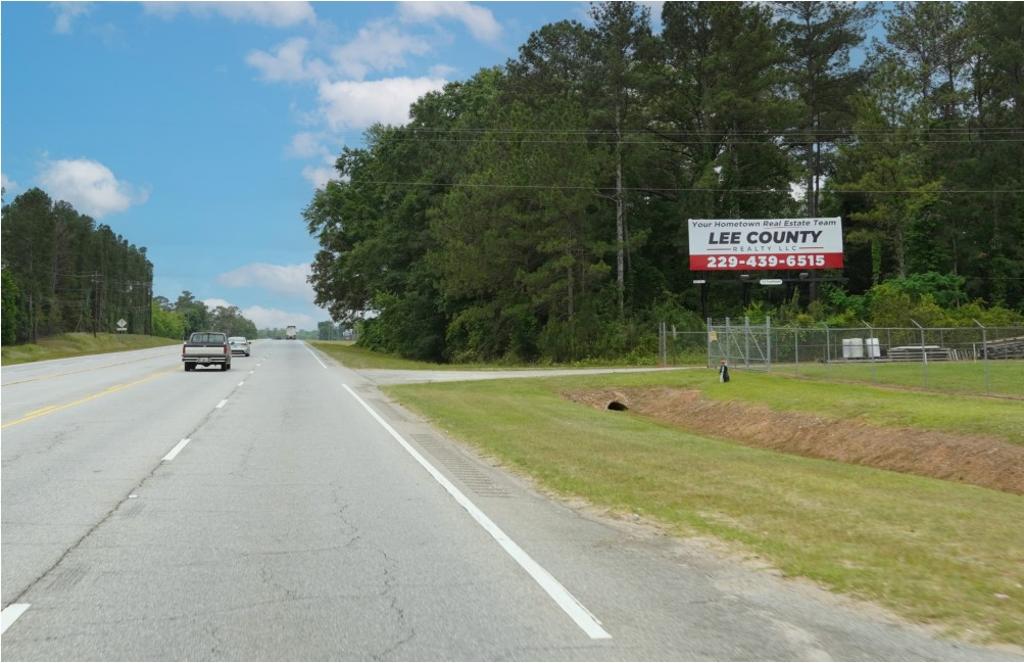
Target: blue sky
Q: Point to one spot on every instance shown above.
(171, 122)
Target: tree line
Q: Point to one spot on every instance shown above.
(63, 272)
(538, 209)
(182, 317)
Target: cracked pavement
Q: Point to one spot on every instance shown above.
(293, 527)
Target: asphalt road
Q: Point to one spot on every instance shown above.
(307, 518)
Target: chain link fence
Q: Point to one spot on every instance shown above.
(975, 359)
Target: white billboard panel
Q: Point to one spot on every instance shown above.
(765, 244)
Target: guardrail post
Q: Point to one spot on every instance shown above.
(984, 352)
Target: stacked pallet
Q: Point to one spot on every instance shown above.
(1006, 348)
(919, 352)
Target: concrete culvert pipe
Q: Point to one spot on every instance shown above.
(618, 406)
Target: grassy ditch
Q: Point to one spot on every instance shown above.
(78, 344)
(935, 551)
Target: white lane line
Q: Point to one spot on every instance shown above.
(252, 371)
(314, 355)
(222, 403)
(566, 601)
(241, 383)
(177, 449)
(10, 614)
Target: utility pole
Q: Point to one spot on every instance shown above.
(620, 213)
(95, 302)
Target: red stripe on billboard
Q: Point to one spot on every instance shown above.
(752, 262)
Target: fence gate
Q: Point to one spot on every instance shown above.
(740, 343)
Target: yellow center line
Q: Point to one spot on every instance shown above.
(50, 409)
(40, 410)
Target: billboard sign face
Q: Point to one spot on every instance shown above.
(765, 244)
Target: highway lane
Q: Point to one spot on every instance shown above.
(32, 386)
(295, 524)
(74, 441)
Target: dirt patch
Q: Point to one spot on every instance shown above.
(975, 459)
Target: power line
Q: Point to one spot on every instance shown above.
(673, 189)
(768, 140)
(692, 132)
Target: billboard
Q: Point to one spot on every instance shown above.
(765, 244)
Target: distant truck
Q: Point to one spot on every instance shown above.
(290, 333)
(206, 349)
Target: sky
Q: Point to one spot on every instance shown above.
(200, 130)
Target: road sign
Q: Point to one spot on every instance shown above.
(765, 244)
(770, 281)
(122, 325)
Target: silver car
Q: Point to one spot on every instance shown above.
(240, 345)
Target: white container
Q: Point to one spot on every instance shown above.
(853, 348)
(873, 347)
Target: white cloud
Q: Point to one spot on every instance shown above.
(274, 318)
(288, 280)
(319, 176)
(8, 184)
(377, 47)
(265, 318)
(306, 145)
(90, 186)
(442, 71)
(356, 104)
(287, 62)
(479, 21)
(214, 302)
(273, 14)
(67, 12)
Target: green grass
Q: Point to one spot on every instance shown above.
(354, 356)
(78, 344)
(882, 406)
(936, 552)
(1006, 377)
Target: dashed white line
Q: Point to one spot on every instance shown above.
(10, 614)
(222, 403)
(241, 383)
(177, 449)
(314, 355)
(252, 371)
(566, 601)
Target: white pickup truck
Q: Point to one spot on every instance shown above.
(206, 349)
